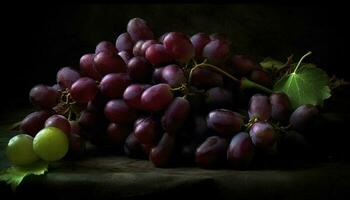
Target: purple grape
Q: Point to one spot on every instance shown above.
(126, 56)
(146, 130)
(263, 135)
(179, 47)
(161, 154)
(84, 90)
(132, 95)
(113, 85)
(280, 107)
(132, 147)
(139, 30)
(145, 46)
(220, 36)
(106, 46)
(205, 78)
(60, 122)
(117, 134)
(156, 54)
(139, 69)
(87, 120)
(216, 51)
(173, 75)
(212, 152)
(106, 63)
(75, 128)
(119, 112)
(157, 97)
(199, 41)
(87, 67)
(243, 64)
(124, 42)
(176, 115)
(260, 107)
(260, 76)
(303, 117)
(161, 38)
(34, 122)
(218, 97)
(44, 97)
(66, 76)
(224, 122)
(137, 48)
(157, 75)
(241, 151)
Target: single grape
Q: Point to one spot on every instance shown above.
(157, 55)
(139, 69)
(59, 121)
(84, 90)
(145, 46)
(139, 30)
(157, 97)
(66, 76)
(106, 63)
(34, 122)
(241, 151)
(19, 150)
(117, 134)
(261, 77)
(303, 117)
(173, 75)
(205, 78)
(212, 152)
(260, 107)
(43, 96)
(146, 130)
(51, 144)
(216, 51)
(113, 85)
(220, 36)
(157, 75)
(280, 107)
(132, 95)
(263, 135)
(161, 154)
(179, 46)
(105, 46)
(77, 146)
(218, 97)
(176, 115)
(119, 112)
(126, 56)
(87, 67)
(87, 120)
(224, 122)
(124, 42)
(243, 64)
(137, 48)
(199, 40)
(133, 148)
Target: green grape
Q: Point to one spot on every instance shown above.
(51, 144)
(19, 150)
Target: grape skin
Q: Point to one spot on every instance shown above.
(176, 115)
(260, 107)
(263, 135)
(43, 96)
(224, 122)
(241, 151)
(119, 112)
(19, 150)
(60, 122)
(157, 97)
(212, 152)
(84, 90)
(34, 122)
(113, 85)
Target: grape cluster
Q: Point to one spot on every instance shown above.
(174, 100)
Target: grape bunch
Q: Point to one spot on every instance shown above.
(175, 100)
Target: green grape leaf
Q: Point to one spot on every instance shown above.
(14, 175)
(307, 85)
(270, 63)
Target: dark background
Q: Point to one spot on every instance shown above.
(38, 40)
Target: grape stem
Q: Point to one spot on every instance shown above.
(246, 83)
(301, 59)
